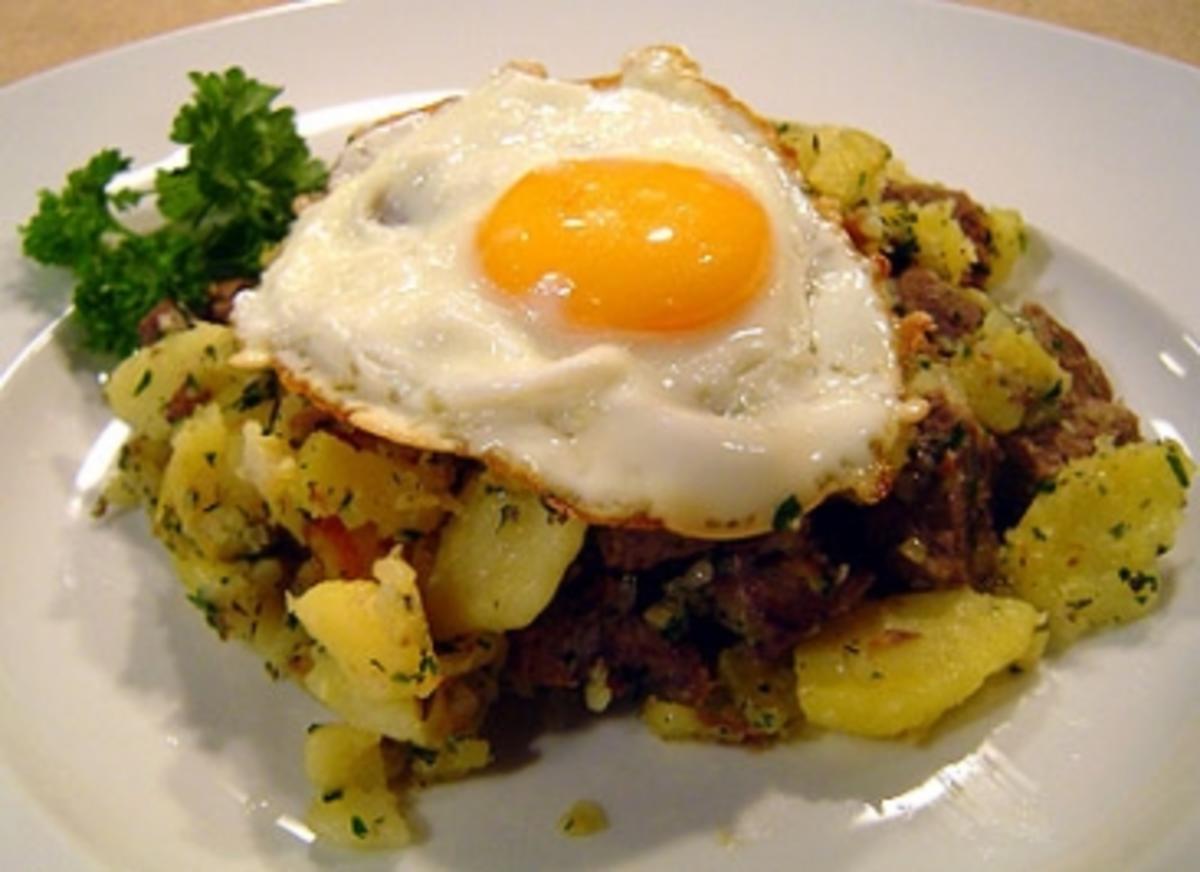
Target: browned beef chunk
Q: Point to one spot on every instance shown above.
(971, 217)
(642, 657)
(1087, 376)
(954, 314)
(639, 550)
(594, 617)
(776, 590)
(936, 527)
(220, 298)
(1086, 413)
(167, 317)
(771, 591)
(1039, 453)
(164, 318)
(185, 401)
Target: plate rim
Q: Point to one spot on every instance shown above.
(96, 64)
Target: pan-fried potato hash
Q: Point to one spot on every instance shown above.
(408, 589)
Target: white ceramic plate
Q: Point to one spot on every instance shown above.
(130, 739)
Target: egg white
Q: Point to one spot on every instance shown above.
(377, 306)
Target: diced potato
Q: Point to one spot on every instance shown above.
(675, 721)
(341, 755)
(896, 223)
(597, 694)
(160, 385)
(195, 360)
(1086, 550)
(1006, 375)
(360, 487)
(456, 759)
(354, 806)
(140, 469)
(363, 820)
(402, 718)
(268, 464)
(376, 632)
(1007, 228)
(500, 560)
(941, 244)
(375, 664)
(897, 665)
(839, 162)
(244, 600)
(456, 709)
(330, 478)
(801, 138)
(203, 504)
(585, 817)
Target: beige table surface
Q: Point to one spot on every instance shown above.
(39, 34)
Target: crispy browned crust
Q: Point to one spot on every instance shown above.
(396, 117)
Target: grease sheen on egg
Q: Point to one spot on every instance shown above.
(616, 290)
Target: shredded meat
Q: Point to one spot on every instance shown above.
(971, 217)
(594, 618)
(771, 590)
(1087, 412)
(777, 590)
(1039, 453)
(656, 608)
(954, 313)
(639, 550)
(936, 527)
(1088, 380)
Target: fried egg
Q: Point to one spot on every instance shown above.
(615, 290)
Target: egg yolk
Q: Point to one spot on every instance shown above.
(628, 244)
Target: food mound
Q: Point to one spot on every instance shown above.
(616, 391)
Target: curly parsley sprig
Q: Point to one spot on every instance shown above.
(232, 200)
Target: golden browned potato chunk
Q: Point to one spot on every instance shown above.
(897, 665)
(327, 477)
(1007, 229)
(500, 560)
(204, 507)
(1086, 550)
(842, 163)
(584, 818)
(193, 362)
(1006, 375)
(375, 631)
(353, 807)
(374, 662)
(675, 722)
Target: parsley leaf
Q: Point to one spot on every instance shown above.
(1177, 468)
(222, 211)
(788, 515)
(70, 226)
(246, 163)
(119, 283)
